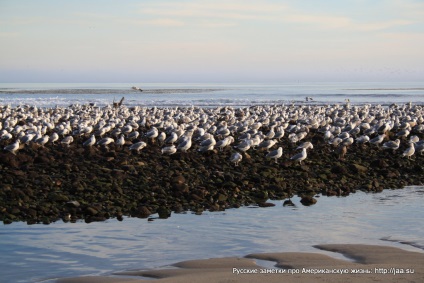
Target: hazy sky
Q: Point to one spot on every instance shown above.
(211, 40)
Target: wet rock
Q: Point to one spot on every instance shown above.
(59, 198)
(143, 212)
(178, 208)
(222, 197)
(73, 203)
(308, 200)
(164, 212)
(339, 169)
(379, 163)
(266, 204)
(357, 168)
(288, 202)
(91, 211)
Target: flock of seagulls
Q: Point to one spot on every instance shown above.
(206, 129)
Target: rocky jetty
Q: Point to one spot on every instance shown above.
(45, 183)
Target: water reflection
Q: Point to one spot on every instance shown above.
(38, 252)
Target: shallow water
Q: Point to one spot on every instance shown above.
(37, 253)
(210, 95)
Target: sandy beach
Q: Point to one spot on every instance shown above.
(364, 263)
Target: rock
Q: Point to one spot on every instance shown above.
(308, 200)
(91, 211)
(288, 202)
(59, 198)
(266, 204)
(164, 212)
(356, 168)
(143, 212)
(338, 169)
(222, 197)
(73, 203)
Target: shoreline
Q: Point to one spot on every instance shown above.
(42, 184)
(369, 263)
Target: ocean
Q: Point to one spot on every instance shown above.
(42, 253)
(210, 95)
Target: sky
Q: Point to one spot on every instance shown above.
(211, 41)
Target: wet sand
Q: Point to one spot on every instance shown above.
(364, 263)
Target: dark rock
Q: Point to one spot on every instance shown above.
(308, 200)
(338, 169)
(288, 202)
(91, 211)
(164, 212)
(73, 203)
(143, 212)
(266, 204)
(356, 168)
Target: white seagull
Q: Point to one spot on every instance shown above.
(185, 145)
(275, 154)
(12, 147)
(90, 142)
(392, 145)
(236, 158)
(67, 140)
(169, 150)
(306, 145)
(105, 141)
(138, 146)
(409, 151)
(300, 156)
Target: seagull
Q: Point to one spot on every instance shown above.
(206, 148)
(6, 136)
(120, 141)
(306, 145)
(172, 138)
(105, 141)
(409, 151)
(347, 141)
(208, 142)
(275, 154)
(90, 142)
(138, 146)
(12, 147)
(403, 133)
(279, 134)
(300, 156)
(244, 145)
(267, 144)
(27, 138)
(223, 143)
(127, 129)
(161, 138)
(153, 133)
(392, 145)
(185, 145)
(43, 140)
(236, 158)
(419, 147)
(414, 139)
(169, 150)
(363, 139)
(378, 139)
(133, 135)
(67, 140)
(53, 137)
(136, 88)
